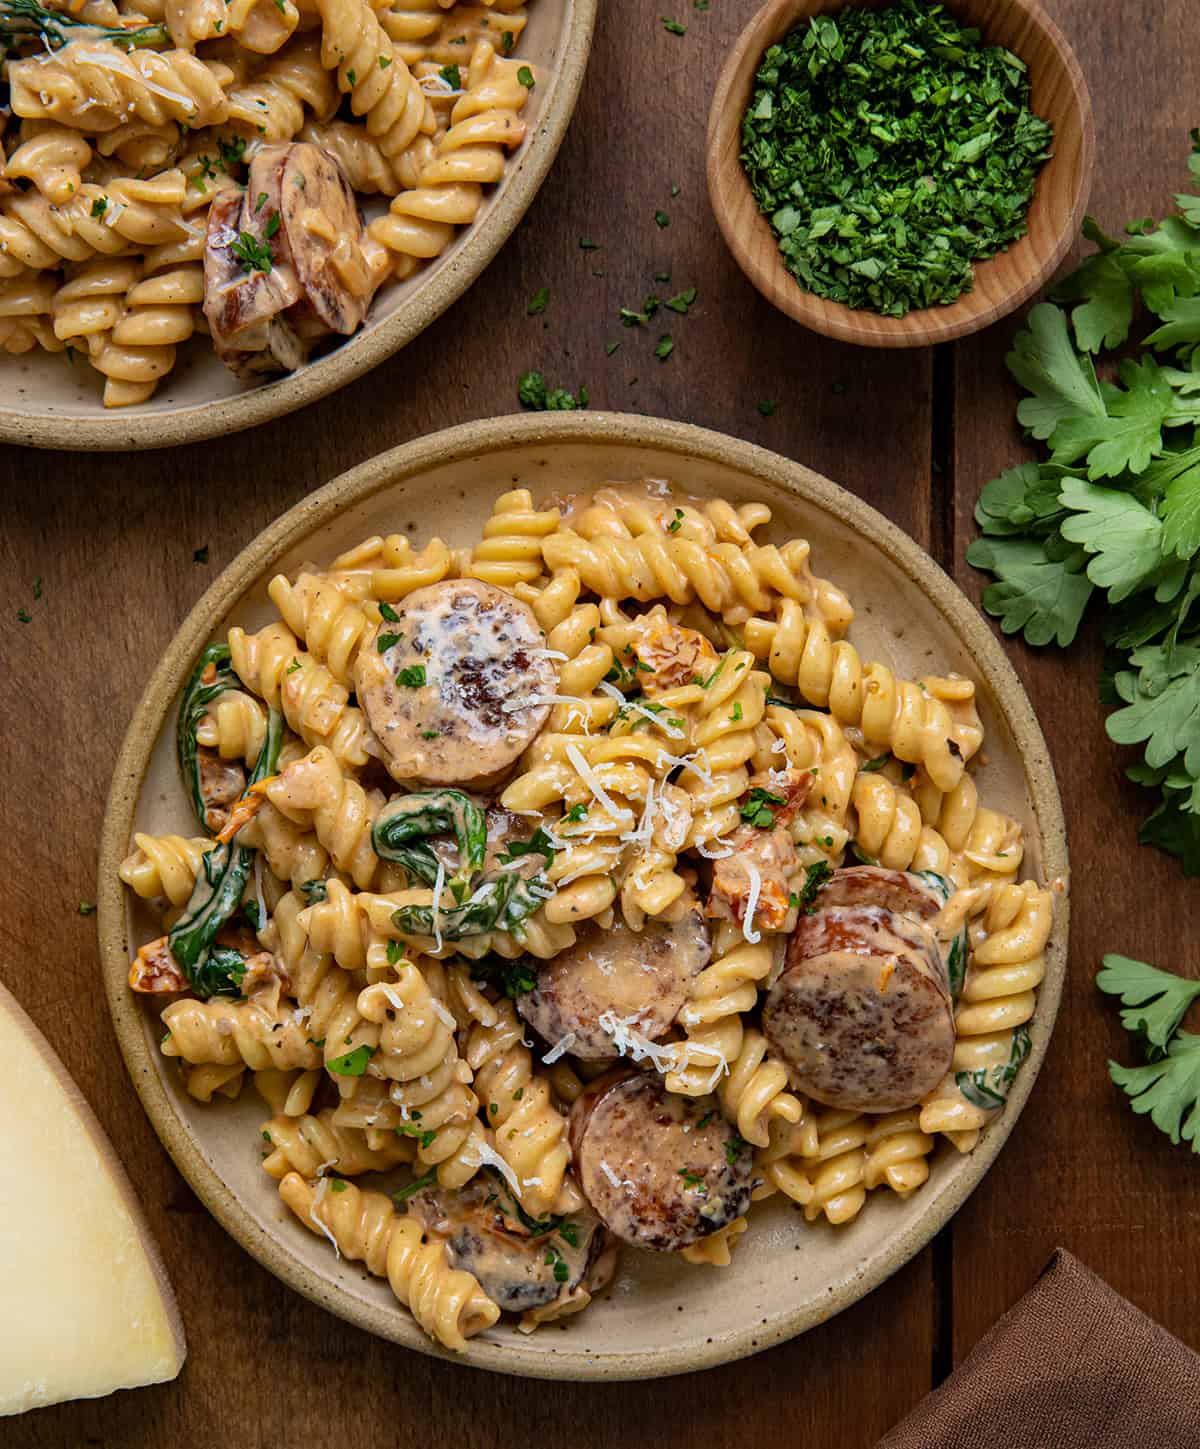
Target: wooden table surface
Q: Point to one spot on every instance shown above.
(917, 434)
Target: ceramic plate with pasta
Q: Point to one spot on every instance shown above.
(191, 183)
(589, 902)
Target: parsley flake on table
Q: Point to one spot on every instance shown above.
(673, 27)
(767, 408)
(661, 218)
(681, 301)
(1112, 515)
(538, 302)
(533, 393)
(664, 347)
(890, 149)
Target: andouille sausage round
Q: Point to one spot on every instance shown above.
(646, 975)
(661, 1171)
(874, 885)
(861, 1016)
(455, 697)
(519, 1269)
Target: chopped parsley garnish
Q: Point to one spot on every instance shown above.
(395, 953)
(525, 78)
(24, 616)
(734, 1147)
(429, 734)
(293, 666)
(677, 522)
(586, 244)
(313, 891)
(232, 152)
(200, 555)
(767, 408)
(871, 766)
(387, 612)
(99, 207)
(412, 677)
(254, 255)
(507, 41)
(352, 77)
(272, 226)
(384, 642)
(260, 203)
(337, 1184)
(814, 878)
(694, 1180)
(737, 711)
(352, 1063)
(418, 1184)
(87, 908)
(575, 814)
(533, 393)
(681, 301)
(384, 62)
(673, 27)
(452, 76)
(610, 348)
(705, 1120)
(661, 218)
(538, 302)
(890, 149)
(757, 809)
(425, 1137)
(664, 347)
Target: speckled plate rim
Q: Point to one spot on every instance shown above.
(478, 440)
(125, 429)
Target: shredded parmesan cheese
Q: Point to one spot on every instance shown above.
(632, 1043)
(489, 1157)
(592, 781)
(438, 886)
(318, 1199)
(751, 935)
(559, 1049)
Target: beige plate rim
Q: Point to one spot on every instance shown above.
(199, 421)
(387, 470)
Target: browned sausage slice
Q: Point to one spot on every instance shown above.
(243, 305)
(662, 1171)
(874, 885)
(321, 238)
(865, 1022)
(646, 975)
(869, 930)
(462, 690)
(518, 1267)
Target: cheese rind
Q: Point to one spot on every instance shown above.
(85, 1306)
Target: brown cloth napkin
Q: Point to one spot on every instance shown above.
(1072, 1366)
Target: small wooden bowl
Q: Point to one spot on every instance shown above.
(1003, 282)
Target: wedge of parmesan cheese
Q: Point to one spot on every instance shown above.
(84, 1302)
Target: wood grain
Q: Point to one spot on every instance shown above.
(112, 538)
(1059, 94)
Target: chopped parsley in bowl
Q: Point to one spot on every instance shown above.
(890, 150)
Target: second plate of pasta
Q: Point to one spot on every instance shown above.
(212, 214)
(576, 869)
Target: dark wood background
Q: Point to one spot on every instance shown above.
(917, 434)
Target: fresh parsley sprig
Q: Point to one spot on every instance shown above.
(1112, 515)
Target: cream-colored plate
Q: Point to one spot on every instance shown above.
(46, 402)
(786, 1275)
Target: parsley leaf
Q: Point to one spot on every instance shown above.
(1039, 596)
(1157, 1000)
(533, 393)
(1168, 1090)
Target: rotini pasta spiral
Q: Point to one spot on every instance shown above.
(26, 306)
(95, 85)
(531, 1134)
(932, 723)
(54, 159)
(510, 551)
(276, 98)
(272, 665)
(315, 1145)
(164, 865)
(235, 726)
(484, 123)
(897, 1152)
(447, 1302)
(1006, 967)
(316, 794)
(158, 315)
(380, 86)
(228, 1033)
(332, 626)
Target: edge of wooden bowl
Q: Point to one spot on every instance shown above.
(476, 440)
(195, 422)
(753, 245)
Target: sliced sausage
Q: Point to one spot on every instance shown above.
(321, 239)
(463, 688)
(861, 1016)
(222, 783)
(519, 1268)
(896, 890)
(646, 975)
(869, 930)
(245, 307)
(661, 1170)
